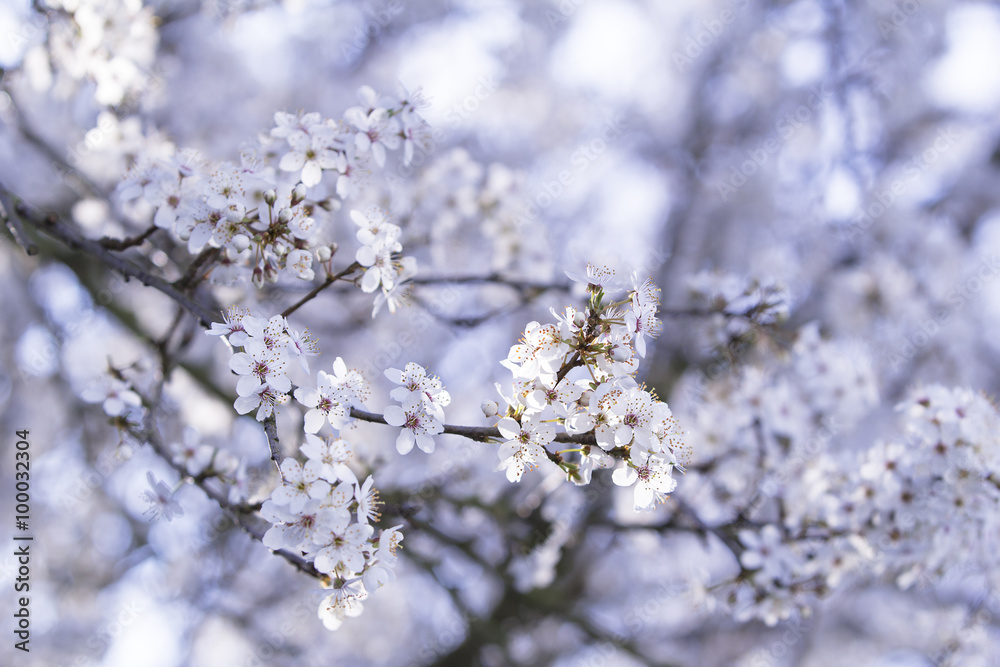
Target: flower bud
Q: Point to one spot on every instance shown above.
(580, 318)
(280, 249)
(490, 408)
(271, 273)
(240, 243)
(285, 216)
(323, 253)
(270, 196)
(298, 194)
(258, 277)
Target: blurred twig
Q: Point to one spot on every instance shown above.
(52, 226)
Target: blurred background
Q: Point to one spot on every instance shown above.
(842, 155)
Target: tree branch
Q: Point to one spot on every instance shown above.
(75, 240)
(479, 433)
(13, 222)
(319, 288)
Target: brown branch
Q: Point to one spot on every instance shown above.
(251, 523)
(247, 519)
(76, 241)
(496, 278)
(191, 273)
(273, 444)
(126, 243)
(479, 433)
(319, 288)
(13, 222)
(488, 433)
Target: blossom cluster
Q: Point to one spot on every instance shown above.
(268, 347)
(421, 414)
(898, 509)
(379, 256)
(263, 220)
(578, 372)
(321, 512)
(812, 517)
(109, 42)
(455, 200)
(737, 303)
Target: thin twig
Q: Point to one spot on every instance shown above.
(273, 444)
(488, 433)
(126, 243)
(520, 285)
(191, 273)
(251, 522)
(72, 238)
(13, 222)
(319, 288)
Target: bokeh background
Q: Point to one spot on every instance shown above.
(846, 153)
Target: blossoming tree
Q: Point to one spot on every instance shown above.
(308, 354)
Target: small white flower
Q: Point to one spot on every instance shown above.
(299, 530)
(191, 454)
(525, 446)
(333, 397)
(231, 326)
(264, 398)
(418, 387)
(368, 502)
(161, 501)
(344, 553)
(259, 366)
(299, 264)
(597, 279)
(300, 483)
(300, 346)
(115, 396)
(345, 601)
(376, 131)
(388, 542)
(653, 480)
(333, 454)
(418, 427)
